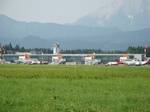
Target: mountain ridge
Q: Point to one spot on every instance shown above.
(36, 34)
(122, 14)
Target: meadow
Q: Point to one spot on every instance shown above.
(59, 88)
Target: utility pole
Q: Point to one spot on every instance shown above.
(2, 52)
(145, 50)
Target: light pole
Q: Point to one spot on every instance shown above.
(145, 50)
(2, 51)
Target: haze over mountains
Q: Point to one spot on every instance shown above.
(122, 14)
(116, 26)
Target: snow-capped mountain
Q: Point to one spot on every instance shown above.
(122, 14)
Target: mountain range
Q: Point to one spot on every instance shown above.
(113, 27)
(122, 14)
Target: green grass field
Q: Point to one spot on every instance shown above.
(47, 88)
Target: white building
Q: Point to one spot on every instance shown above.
(58, 60)
(90, 60)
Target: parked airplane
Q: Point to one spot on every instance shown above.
(132, 62)
(25, 59)
(145, 62)
(137, 62)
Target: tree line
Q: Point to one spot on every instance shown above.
(139, 50)
(9, 48)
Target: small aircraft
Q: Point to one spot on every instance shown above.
(132, 62)
(25, 59)
(112, 63)
(137, 62)
(145, 62)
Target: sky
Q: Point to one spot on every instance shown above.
(54, 11)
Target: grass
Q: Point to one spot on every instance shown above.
(46, 88)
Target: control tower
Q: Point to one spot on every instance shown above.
(56, 48)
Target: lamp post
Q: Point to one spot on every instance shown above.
(145, 49)
(2, 52)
